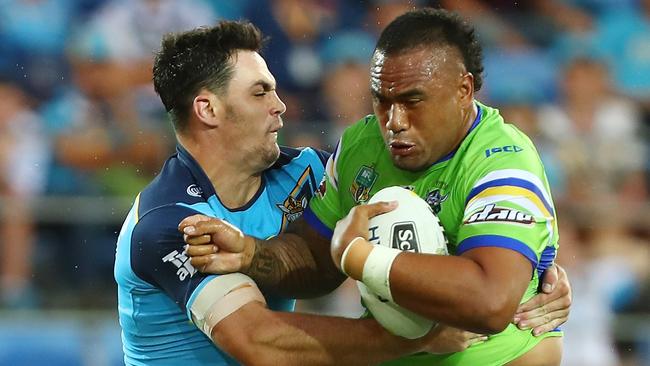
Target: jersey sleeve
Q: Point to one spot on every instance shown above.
(510, 208)
(157, 255)
(324, 209)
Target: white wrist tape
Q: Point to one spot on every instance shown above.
(376, 270)
(347, 250)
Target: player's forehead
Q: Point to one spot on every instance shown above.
(420, 67)
(249, 70)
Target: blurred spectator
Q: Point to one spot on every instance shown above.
(596, 138)
(346, 83)
(597, 241)
(33, 35)
(624, 36)
(23, 155)
(296, 29)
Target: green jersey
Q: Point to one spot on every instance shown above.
(491, 191)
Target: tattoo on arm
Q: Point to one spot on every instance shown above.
(295, 264)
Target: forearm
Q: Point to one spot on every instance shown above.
(457, 291)
(299, 339)
(478, 291)
(287, 266)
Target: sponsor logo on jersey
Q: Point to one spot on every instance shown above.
(182, 264)
(491, 213)
(194, 190)
(435, 200)
(404, 237)
(362, 184)
(507, 148)
(294, 205)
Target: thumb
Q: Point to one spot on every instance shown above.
(549, 279)
(192, 221)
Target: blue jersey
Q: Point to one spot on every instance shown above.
(156, 282)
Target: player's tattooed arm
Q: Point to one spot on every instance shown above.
(294, 264)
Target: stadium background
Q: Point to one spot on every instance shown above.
(81, 131)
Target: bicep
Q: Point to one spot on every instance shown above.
(506, 271)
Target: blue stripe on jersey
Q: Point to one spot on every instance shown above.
(500, 242)
(156, 282)
(313, 221)
(545, 260)
(516, 182)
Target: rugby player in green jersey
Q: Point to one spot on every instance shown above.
(480, 175)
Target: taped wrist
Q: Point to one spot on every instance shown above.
(376, 266)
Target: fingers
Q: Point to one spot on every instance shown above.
(195, 250)
(550, 279)
(537, 331)
(553, 318)
(378, 208)
(192, 220)
(542, 299)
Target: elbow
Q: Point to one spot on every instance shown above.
(496, 314)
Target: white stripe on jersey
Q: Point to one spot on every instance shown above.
(331, 171)
(516, 173)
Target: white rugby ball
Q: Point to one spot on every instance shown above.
(412, 227)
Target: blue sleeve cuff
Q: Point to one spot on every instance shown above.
(500, 242)
(316, 224)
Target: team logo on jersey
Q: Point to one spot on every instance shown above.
(362, 184)
(182, 263)
(435, 200)
(491, 213)
(194, 190)
(294, 205)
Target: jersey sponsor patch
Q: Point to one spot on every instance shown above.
(194, 190)
(182, 263)
(507, 148)
(363, 182)
(492, 213)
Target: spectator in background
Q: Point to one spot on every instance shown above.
(23, 155)
(346, 95)
(624, 36)
(104, 143)
(598, 242)
(33, 35)
(596, 137)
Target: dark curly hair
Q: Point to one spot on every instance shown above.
(200, 58)
(430, 26)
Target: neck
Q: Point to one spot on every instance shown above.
(234, 184)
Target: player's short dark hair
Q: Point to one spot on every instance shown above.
(434, 27)
(200, 58)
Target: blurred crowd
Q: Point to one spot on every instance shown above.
(82, 131)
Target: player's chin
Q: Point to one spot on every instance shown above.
(410, 163)
(271, 154)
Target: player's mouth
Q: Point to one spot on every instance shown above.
(400, 148)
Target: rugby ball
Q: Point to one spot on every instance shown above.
(412, 227)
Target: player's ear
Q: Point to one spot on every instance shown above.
(208, 108)
(466, 89)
